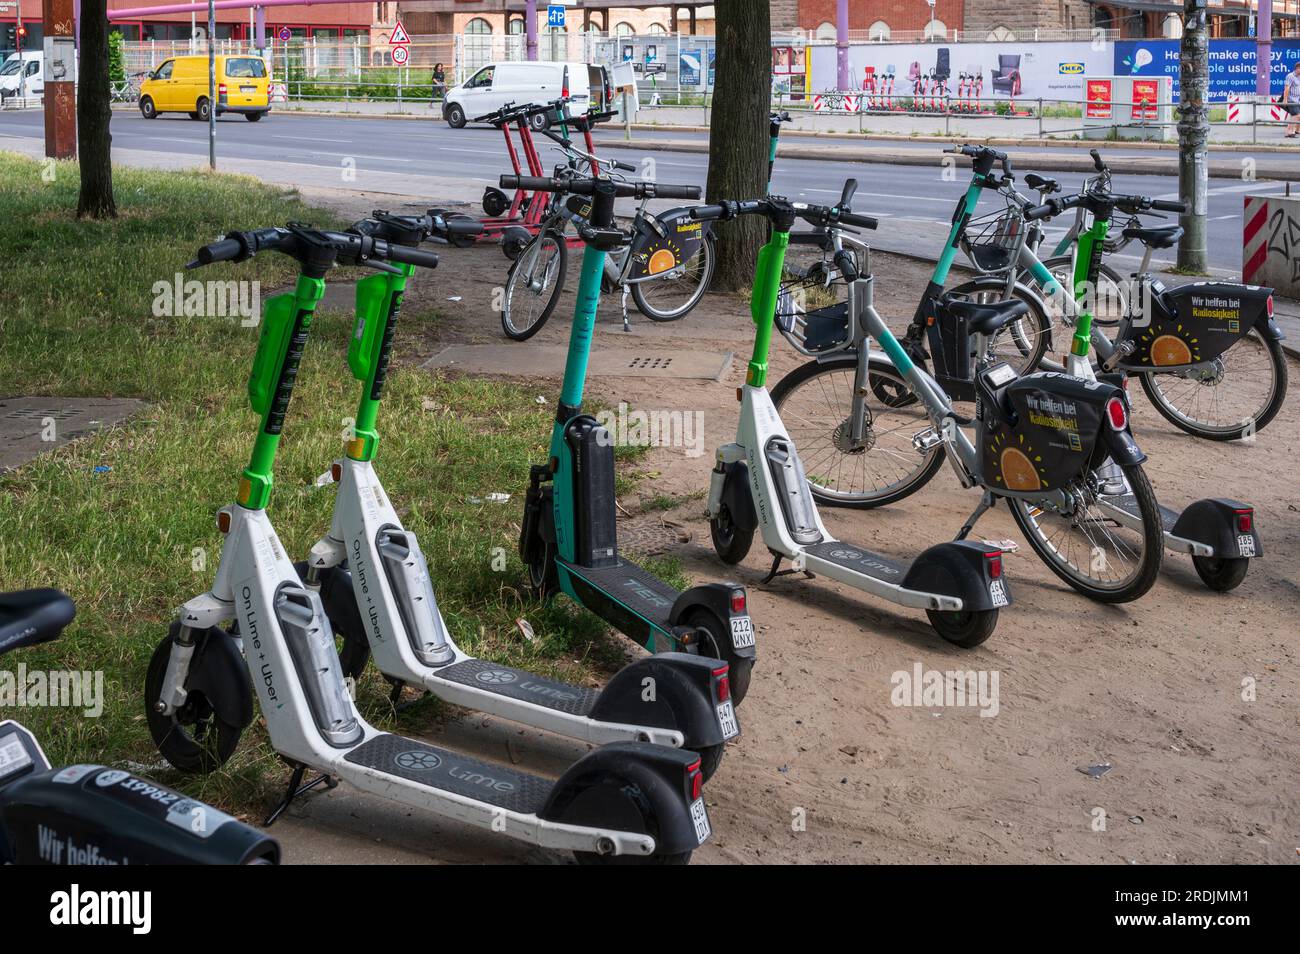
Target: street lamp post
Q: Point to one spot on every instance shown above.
(930, 38)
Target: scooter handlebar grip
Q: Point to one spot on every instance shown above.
(705, 212)
(678, 192)
(625, 166)
(223, 250)
(859, 221)
(412, 256)
(462, 227)
(530, 183)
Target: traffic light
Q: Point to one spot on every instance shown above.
(11, 36)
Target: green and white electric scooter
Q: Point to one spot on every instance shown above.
(569, 538)
(368, 559)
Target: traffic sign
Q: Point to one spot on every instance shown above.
(400, 35)
(554, 15)
(400, 55)
(284, 34)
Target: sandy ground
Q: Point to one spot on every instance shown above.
(828, 769)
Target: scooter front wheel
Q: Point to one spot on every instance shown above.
(731, 543)
(193, 739)
(964, 628)
(715, 640)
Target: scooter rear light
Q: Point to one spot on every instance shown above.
(1116, 416)
(1245, 521)
(724, 683)
(1270, 306)
(738, 601)
(696, 778)
(993, 561)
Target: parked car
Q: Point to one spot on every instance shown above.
(496, 84)
(180, 85)
(25, 76)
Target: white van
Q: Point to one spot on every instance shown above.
(496, 84)
(25, 77)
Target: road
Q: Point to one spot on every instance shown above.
(915, 201)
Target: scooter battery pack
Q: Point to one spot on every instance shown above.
(594, 510)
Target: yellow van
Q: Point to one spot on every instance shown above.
(180, 85)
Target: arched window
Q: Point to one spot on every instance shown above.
(936, 30)
(478, 43)
(656, 29)
(515, 27)
(878, 30)
(1000, 34)
(826, 31)
(624, 29)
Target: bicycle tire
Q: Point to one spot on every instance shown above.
(710, 263)
(514, 285)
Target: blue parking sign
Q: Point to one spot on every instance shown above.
(554, 15)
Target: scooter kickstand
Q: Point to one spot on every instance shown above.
(297, 788)
(775, 571)
(986, 503)
(626, 325)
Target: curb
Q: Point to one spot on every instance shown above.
(1047, 162)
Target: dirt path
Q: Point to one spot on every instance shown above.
(829, 770)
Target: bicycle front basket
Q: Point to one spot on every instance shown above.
(992, 242)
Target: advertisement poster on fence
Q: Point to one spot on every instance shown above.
(690, 72)
(1232, 63)
(1146, 94)
(1099, 99)
(1003, 70)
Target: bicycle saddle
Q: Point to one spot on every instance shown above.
(1042, 183)
(985, 318)
(28, 617)
(1164, 236)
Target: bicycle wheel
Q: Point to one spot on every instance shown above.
(1021, 343)
(1087, 548)
(1109, 303)
(667, 299)
(533, 285)
(1236, 397)
(815, 402)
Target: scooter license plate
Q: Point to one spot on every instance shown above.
(701, 819)
(1246, 544)
(998, 593)
(14, 757)
(742, 632)
(727, 716)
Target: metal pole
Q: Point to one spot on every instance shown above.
(530, 28)
(212, 87)
(1193, 135)
(842, 44)
(1264, 50)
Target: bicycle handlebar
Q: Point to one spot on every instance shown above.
(582, 185)
(818, 215)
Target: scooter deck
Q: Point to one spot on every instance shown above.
(630, 585)
(447, 771)
(859, 560)
(1127, 504)
(520, 685)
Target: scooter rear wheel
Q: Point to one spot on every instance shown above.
(193, 739)
(964, 628)
(715, 641)
(1221, 573)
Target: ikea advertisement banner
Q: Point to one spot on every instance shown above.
(1010, 69)
(1232, 63)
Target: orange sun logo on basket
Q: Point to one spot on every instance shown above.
(1169, 349)
(1018, 466)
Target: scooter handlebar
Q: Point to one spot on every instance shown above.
(582, 185)
(411, 256)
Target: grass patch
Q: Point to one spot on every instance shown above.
(133, 542)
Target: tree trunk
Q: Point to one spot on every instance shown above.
(1193, 135)
(738, 138)
(94, 113)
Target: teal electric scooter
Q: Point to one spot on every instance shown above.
(569, 536)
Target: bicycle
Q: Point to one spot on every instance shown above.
(666, 267)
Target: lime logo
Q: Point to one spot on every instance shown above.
(1070, 69)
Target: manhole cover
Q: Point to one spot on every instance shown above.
(646, 363)
(531, 360)
(650, 536)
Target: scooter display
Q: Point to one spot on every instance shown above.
(261, 629)
(93, 814)
(758, 482)
(368, 559)
(569, 537)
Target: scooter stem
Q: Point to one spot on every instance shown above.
(368, 356)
